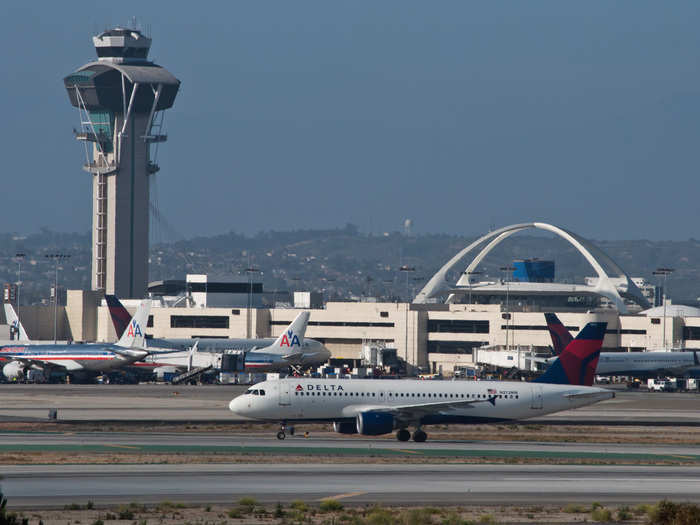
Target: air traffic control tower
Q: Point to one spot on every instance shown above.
(120, 99)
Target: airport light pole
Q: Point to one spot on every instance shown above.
(665, 272)
(250, 271)
(20, 256)
(56, 257)
(407, 269)
(509, 270)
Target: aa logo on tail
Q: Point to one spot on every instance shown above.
(290, 339)
(134, 330)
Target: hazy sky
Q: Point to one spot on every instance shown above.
(459, 115)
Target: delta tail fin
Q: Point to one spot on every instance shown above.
(577, 363)
(558, 332)
(135, 334)
(17, 332)
(291, 340)
(120, 316)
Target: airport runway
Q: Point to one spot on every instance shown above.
(168, 403)
(40, 486)
(330, 444)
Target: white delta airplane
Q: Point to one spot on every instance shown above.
(373, 407)
(637, 364)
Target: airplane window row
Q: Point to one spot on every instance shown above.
(397, 395)
(256, 392)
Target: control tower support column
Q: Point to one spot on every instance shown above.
(120, 99)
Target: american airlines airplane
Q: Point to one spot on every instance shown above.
(80, 359)
(379, 406)
(637, 364)
(260, 355)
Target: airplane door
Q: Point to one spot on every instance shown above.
(536, 403)
(285, 398)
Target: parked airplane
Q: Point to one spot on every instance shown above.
(637, 364)
(260, 354)
(17, 332)
(378, 406)
(79, 359)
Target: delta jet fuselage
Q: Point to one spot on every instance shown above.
(409, 401)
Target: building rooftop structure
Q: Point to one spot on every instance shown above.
(612, 282)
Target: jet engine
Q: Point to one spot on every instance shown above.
(374, 423)
(345, 427)
(13, 371)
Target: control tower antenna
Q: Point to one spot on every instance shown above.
(120, 100)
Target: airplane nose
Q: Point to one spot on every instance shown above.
(235, 405)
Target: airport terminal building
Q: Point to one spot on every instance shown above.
(444, 328)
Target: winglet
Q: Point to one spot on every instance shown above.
(558, 332)
(16, 329)
(292, 339)
(135, 333)
(577, 363)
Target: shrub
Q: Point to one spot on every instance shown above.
(279, 511)
(299, 505)
(624, 514)
(330, 505)
(574, 509)
(668, 513)
(487, 519)
(234, 514)
(248, 502)
(380, 516)
(98, 521)
(125, 513)
(601, 514)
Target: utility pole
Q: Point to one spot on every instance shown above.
(20, 256)
(56, 257)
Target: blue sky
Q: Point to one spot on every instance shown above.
(459, 115)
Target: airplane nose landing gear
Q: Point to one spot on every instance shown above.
(284, 429)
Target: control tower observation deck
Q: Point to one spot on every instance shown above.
(120, 99)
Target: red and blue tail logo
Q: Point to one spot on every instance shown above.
(290, 339)
(577, 363)
(120, 316)
(560, 335)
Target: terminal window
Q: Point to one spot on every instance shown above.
(198, 321)
(458, 326)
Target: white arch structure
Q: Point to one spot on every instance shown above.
(611, 287)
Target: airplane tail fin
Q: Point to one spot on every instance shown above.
(120, 316)
(135, 334)
(558, 332)
(577, 363)
(292, 339)
(16, 329)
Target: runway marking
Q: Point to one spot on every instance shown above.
(342, 496)
(122, 446)
(682, 457)
(407, 451)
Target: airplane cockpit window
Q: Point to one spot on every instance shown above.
(249, 391)
(262, 392)
(255, 392)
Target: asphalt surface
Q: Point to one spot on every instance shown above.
(37, 486)
(328, 443)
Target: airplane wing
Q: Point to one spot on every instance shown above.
(414, 412)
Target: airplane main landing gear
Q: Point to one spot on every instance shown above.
(281, 435)
(419, 436)
(403, 435)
